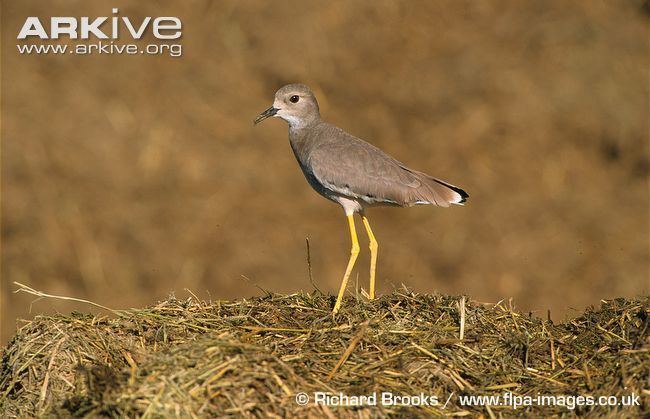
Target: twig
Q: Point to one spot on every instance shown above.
(590, 385)
(353, 344)
(46, 381)
(462, 317)
(534, 374)
(552, 353)
(311, 278)
(40, 294)
(250, 281)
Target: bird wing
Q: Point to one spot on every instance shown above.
(354, 168)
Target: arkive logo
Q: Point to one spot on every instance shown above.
(82, 28)
(101, 35)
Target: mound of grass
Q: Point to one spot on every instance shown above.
(252, 357)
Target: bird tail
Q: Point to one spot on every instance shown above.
(437, 192)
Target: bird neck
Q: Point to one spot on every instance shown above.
(299, 124)
(303, 138)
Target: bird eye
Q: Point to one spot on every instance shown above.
(294, 99)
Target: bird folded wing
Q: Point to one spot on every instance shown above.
(357, 169)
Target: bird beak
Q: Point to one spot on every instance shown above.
(266, 114)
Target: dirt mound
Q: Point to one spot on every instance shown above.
(252, 357)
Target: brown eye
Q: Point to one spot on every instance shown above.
(294, 99)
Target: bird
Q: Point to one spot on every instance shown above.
(352, 172)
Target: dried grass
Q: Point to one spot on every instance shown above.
(190, 358)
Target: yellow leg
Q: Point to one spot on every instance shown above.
(374, 246)
(354, 252)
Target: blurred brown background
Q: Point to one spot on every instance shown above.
(125, 178)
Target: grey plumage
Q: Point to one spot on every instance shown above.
(346, 165)
(338, 164)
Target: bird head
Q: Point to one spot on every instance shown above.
(295, 103)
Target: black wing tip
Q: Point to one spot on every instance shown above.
(463, 195)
